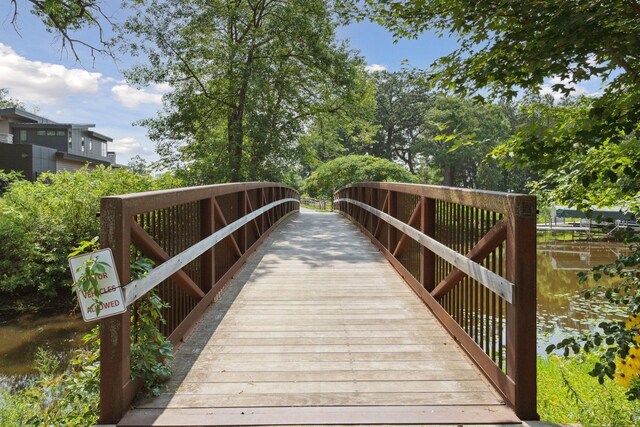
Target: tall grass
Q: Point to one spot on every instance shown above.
(568, 394)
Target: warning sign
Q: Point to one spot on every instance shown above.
(110, 292)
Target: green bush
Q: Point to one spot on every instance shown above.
(41, 221)
(350, 169)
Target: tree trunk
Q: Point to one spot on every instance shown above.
(449, 175)
(235, 123)
(410, 162)
(389, 146)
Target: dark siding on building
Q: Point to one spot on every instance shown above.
(29, 159)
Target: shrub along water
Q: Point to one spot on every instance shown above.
(41, 221)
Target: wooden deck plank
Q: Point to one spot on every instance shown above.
(323, 348)
(308, 387)
(324, 357)
(310, 322)
(332, 341)
(362, 415)
(297, 366)
(329, 375)
(424, 334)
(352, 326)
(319, 399)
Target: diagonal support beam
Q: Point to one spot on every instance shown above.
(150, 248)
(232, 241)
(376, 233)
(404, 240)
(494, 237)
(268, 213)
(255, 221)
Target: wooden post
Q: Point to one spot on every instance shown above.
(207, 228)
(115, 224)
(521, 316)
(428, 258)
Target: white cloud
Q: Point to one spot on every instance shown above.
(132, 97)
(127, 145)
(372, 68)
(41, 82)
(130, 145)
(547, 88)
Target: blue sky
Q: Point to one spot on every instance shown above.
(35, 70)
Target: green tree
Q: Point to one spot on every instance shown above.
(458, 136)
(349, 130)
(246, 77)
(349, 169)
(402, 98)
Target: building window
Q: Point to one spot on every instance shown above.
(51, 133)
(82, 144)
(104, 149)
(61, 133)
(90, 145)
(23, 136)
(42, 132)
(70, 145)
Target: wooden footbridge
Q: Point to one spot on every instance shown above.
(416, 306)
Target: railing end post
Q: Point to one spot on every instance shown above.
(521, 316)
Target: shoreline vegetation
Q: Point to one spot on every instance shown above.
(567, 394)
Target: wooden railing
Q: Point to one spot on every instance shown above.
(198, 237)
(471, 257)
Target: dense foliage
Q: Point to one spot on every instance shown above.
(40, 222)
(350, 169)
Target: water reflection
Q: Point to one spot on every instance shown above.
(561, 308)
(21, 336)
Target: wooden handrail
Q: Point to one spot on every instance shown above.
(488, 278)
(138, 288)
(474, 267)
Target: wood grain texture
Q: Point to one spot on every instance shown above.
(318, 319)
(338, 415)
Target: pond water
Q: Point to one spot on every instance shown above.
(561, 310)
(21, 336)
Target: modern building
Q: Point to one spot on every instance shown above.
(33, 144)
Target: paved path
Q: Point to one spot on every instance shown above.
(318, 328)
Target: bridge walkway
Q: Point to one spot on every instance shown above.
(318, 328)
